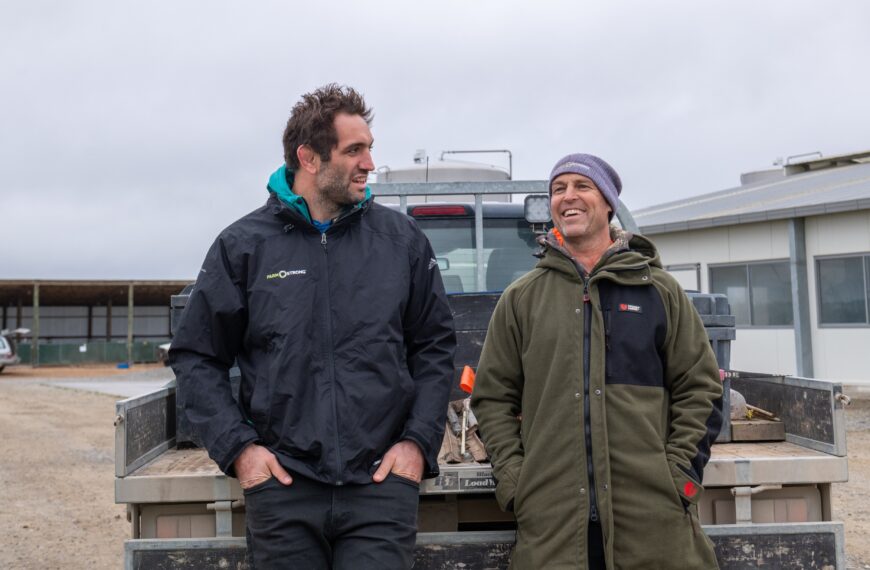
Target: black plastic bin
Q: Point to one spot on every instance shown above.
(721, 329)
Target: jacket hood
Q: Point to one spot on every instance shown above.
(280, 184)
(627, 251)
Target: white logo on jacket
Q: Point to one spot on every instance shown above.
(283, 274)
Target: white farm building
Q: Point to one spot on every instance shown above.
(790, 248)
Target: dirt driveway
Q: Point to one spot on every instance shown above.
(57, 505)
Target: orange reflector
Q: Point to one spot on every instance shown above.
(466, 381)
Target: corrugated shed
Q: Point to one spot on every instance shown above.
(88, 292)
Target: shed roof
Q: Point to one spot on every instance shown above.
(820, 186)
(85, 292)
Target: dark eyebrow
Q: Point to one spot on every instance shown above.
(357, 145)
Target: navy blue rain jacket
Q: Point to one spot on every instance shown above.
(344, 340)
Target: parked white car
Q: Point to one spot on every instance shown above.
(8, 354)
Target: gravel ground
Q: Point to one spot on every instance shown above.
(852, 499)
(57, 508)
(57, 505)
(91, 372)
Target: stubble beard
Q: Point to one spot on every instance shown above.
(333, 189)
(590, 234)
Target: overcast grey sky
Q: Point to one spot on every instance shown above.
(132, 133)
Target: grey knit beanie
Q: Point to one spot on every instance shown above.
(594, 168)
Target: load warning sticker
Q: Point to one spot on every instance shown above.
(477, 483)
(460, 481)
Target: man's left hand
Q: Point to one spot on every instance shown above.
(404, 459)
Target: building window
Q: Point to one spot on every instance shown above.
(688, 275)
(844, 290)
(759, 293)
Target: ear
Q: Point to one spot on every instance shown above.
(309, 161)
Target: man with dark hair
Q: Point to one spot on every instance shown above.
(334, 308)
(311, 121)
(598, 394)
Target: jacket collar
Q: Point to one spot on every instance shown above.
(290, 214)
(629, 253)
(281, 185)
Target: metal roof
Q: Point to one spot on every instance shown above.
(810, 188)
(90, 292)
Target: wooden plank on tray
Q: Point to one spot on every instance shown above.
(757, 430)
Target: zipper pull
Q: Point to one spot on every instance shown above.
(593, 514)
(586, 293)
(323, 238)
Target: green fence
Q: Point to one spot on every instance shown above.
(92, 352)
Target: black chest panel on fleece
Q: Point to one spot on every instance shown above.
(635, 325)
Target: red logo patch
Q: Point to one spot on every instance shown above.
(689, 489)
(627, 308)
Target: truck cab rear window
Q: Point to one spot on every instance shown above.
(508, 248)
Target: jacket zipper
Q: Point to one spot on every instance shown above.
(607, 322)
(330, 354)
(331, 361)
(587, 422)
(587, 350)
(587, 415)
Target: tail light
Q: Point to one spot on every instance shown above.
(440, 210)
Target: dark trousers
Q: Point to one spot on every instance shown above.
(312, 525)
(596, 547)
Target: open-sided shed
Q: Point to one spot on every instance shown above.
(88, 307)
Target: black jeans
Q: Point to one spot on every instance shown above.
(596, 547)
(312, 525)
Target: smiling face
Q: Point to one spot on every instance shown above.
(579, 210)
(341, 181)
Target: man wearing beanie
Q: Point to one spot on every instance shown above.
(598, 394)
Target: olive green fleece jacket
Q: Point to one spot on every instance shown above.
(654, 408)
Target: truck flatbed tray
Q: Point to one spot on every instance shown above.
(188, 475)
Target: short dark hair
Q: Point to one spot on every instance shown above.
(312, 119)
